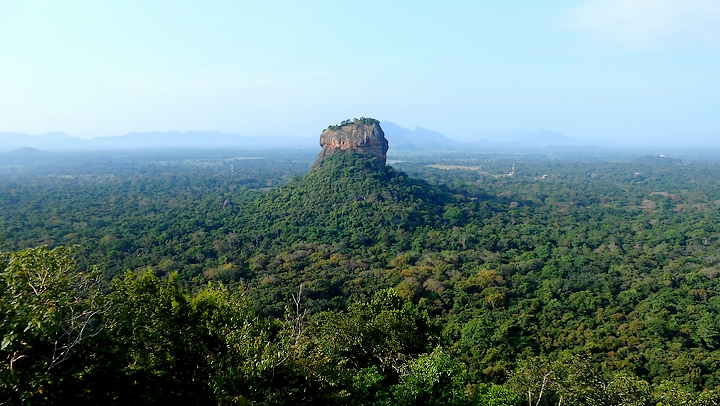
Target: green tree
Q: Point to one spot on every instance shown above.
(432, 379)
(48, 311)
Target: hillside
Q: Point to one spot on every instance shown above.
(352, 200)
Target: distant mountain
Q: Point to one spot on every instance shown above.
(45, 142)
(197, 139)
(420, 139)
(400, 140)
(403, 139)
(26, 151)
(150, 140)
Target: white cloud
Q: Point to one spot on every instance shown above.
(645, 21)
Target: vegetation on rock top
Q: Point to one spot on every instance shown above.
(361, 120)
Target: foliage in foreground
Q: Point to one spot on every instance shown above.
(151, 341)
(155, 342)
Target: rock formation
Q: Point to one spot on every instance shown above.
(363, 136)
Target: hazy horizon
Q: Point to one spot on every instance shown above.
(401, 140)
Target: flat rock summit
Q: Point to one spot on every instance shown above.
(363, 136)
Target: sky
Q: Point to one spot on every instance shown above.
(624, 70)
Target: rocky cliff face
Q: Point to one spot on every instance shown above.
(363, 136)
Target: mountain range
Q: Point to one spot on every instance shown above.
(400, 140)
(58, 141)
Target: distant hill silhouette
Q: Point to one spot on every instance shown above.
(26, 151)
(400, 140)
(403, 139)
(421, 139)
(58, 141)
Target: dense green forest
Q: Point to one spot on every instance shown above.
(228, 277)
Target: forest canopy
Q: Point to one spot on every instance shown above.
(442, 279)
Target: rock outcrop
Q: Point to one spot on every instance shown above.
(363, 136)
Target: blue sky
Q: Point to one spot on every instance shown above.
(643, 70)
